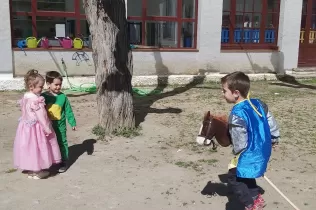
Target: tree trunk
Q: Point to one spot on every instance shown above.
(112, 58)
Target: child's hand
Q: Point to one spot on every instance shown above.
(74, 128)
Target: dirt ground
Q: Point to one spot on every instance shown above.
(163, 168)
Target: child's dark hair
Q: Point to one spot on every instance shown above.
(31, 78)
(51, 75)
(237, 81)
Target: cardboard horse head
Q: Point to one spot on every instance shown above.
(214, 126)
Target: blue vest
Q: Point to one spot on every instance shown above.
(253, 161)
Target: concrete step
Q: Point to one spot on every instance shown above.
(305, 69)
(300, 74)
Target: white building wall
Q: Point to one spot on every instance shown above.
(209, 35)
(145, 63)
(209, 57)
(6, 63)
(289, 33)
(249, 62)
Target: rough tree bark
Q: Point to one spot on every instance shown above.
(113, 62)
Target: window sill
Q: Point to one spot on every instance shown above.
(90, 50)
(52, 49)
(165, 50)
(249, 48)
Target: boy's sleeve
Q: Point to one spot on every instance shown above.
(274, 127)
(69, 114)
(238, 133)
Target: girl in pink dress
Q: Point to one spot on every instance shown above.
(35, 146)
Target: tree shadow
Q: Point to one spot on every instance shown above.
(142, 105)
(221, 189)
(277, 61)
(290, 81)
(287, 80)
(162, 72)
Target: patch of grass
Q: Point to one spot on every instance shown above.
(194, 117)
(209, 162)
(11, 170)
(307, 81)
(127, 132)
(184, 164)
(196, 165)
(99, 131)
(189, 164)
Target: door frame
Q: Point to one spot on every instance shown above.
(305, 58)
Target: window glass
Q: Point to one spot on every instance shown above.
(161, 33)
(21, 6)
(56, 5)
(135, 32)
(134, 8)
(187, 36)
(188, 8)
(162, 7)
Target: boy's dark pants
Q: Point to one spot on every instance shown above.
(245, 189)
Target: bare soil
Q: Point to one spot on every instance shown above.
(164, 168)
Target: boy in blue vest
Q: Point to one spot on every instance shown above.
(253, 131)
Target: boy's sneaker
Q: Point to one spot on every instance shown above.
(260, 201)
(63, 167)
(259, 204)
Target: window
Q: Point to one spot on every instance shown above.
(162, 23)
(42, 18)
(250, 24)
(152, 23)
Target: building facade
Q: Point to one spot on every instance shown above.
(170, 37)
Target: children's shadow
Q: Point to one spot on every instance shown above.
(75, 151)
(221, 189)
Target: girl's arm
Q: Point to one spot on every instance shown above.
(38, 107)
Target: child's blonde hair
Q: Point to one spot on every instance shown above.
(31, 78)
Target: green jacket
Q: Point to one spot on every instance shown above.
(59, 109)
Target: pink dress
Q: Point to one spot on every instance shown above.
(35, 145)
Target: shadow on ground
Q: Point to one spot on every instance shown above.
(221, 189)
(290, 81)
(142, 105)
(75, 151)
